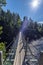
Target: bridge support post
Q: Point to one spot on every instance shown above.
(41, 58)
(1, 58)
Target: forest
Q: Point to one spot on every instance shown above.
(10, 25)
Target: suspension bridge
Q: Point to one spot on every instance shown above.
(24, 53)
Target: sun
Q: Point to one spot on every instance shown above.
(35, 3)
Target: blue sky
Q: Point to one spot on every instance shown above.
(23, 8)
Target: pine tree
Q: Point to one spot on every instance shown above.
(2, 3)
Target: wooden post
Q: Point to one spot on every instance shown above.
(41, 58)
(1, 58)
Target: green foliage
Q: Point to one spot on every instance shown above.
(11, 24)
(2, 2)
(2, 48)
(19, 23)
(1, 30)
